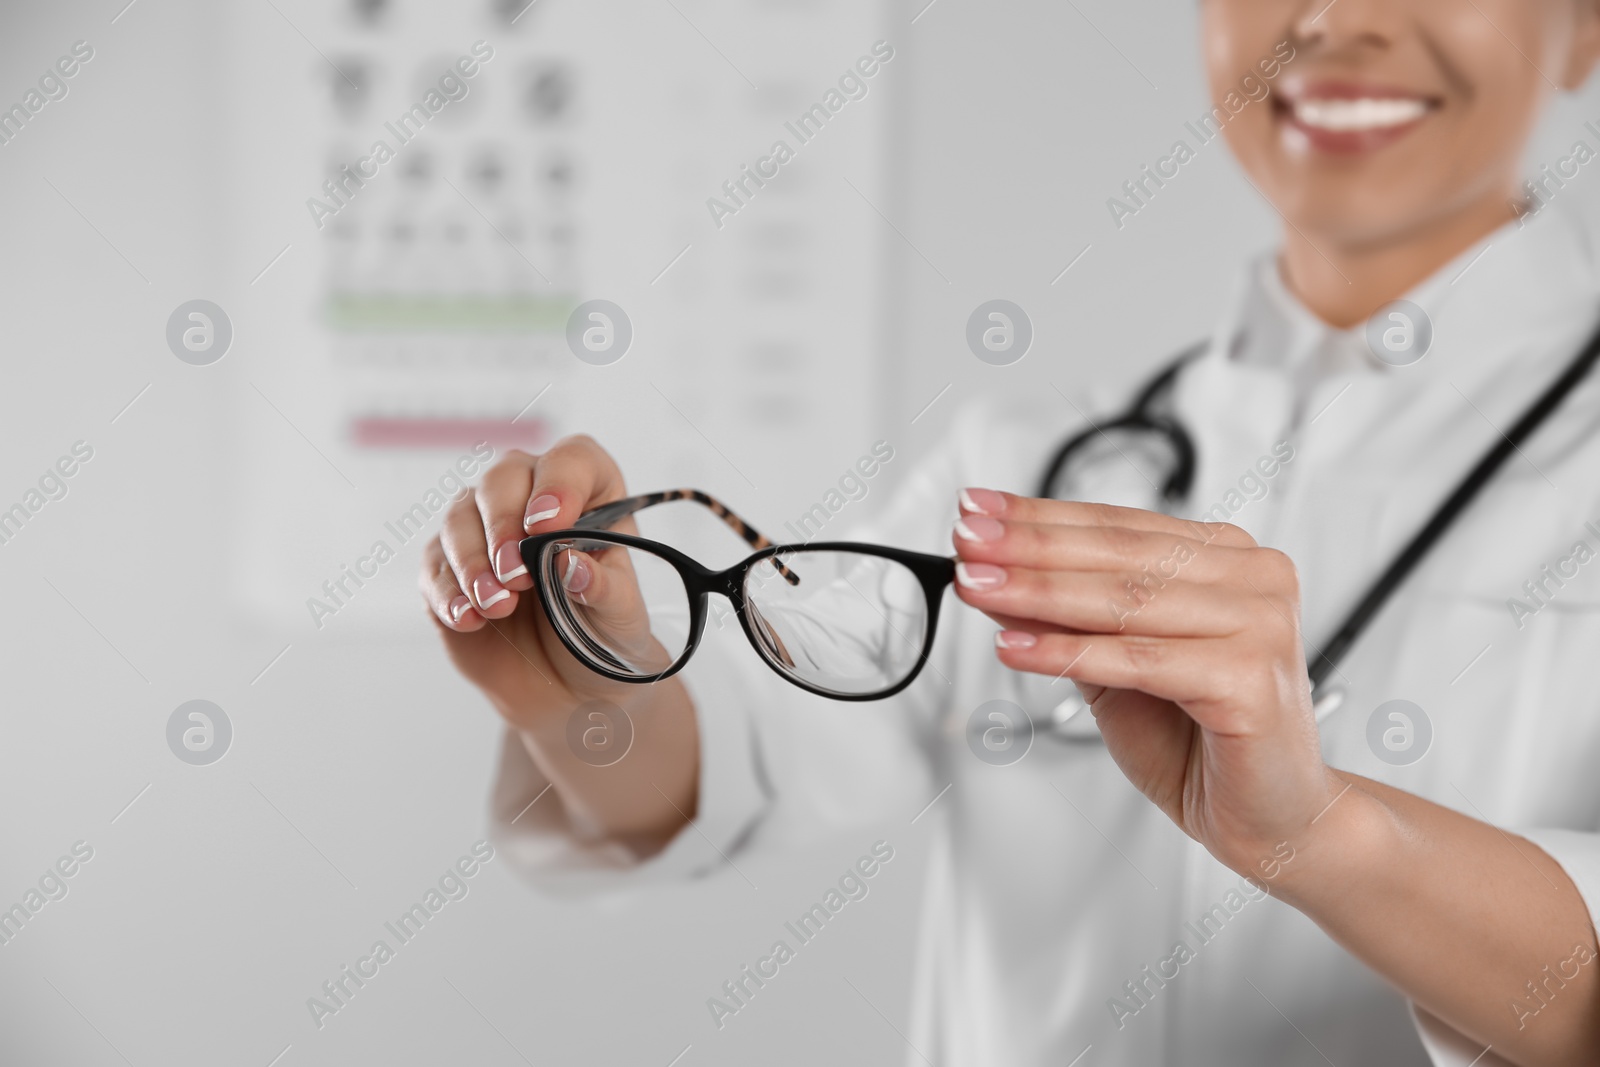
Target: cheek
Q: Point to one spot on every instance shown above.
(1238, 36)
(1498, 61)
(1253, 138)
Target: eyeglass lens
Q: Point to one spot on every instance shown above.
(626, 608)
(854, 624)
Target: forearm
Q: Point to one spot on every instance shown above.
(1478, 927)
(650, 792)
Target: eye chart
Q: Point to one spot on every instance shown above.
(444, 185)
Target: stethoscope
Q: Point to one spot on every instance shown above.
(1145, 416)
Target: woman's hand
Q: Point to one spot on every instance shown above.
(483, 600)
(1185, 639)
(482, 596)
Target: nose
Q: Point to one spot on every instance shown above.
(1338, 26)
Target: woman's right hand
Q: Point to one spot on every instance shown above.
(495, 630)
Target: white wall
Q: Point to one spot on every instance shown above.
(177, 565)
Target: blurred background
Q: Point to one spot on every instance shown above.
(374, 341)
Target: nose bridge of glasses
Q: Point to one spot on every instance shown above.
(729, 583)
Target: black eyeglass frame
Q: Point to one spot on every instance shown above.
(934, 573)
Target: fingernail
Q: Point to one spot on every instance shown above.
(541, 508)
(459, 607)
(982, 501)
(1015, 639)
(508, 562)
(576, 577)
(978, 528)
(980, 576)
(487, 592)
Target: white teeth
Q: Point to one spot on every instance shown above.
(1354, 115)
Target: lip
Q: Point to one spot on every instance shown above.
(1342, 127)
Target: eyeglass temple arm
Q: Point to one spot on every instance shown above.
(607, 515)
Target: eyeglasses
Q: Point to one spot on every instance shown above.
(840, 619)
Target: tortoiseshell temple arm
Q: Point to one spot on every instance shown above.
(607, 515)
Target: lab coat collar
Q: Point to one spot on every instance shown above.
(1502, 314)
(1270, 327)
(1515, 281)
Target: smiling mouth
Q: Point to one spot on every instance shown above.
(1348, 119)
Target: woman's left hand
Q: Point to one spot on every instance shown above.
(1185, 639)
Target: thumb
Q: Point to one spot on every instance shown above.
(601, 598)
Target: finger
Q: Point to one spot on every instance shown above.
(574, 476)
(990, 502)
(1171, 669)
(440, 591)
(601, 580)
(502, 503)
(464, 545)
(1161, 554)
(1206, 677)
(1112, 602)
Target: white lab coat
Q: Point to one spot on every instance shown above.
(1054, 881)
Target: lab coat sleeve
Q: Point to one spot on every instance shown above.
(553, 851)
(778, 766)
(1448, 1048)
(1578, 853)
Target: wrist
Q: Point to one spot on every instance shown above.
(1337, 855)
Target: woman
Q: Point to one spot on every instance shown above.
(1439, 909)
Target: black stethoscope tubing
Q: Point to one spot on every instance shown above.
(1140, 416)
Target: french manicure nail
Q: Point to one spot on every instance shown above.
(980, 577)
(508, 562)
(982, 501)
(487, 592)
(979, 528)
(459, 607)
(1015, 639)
(541, 508)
